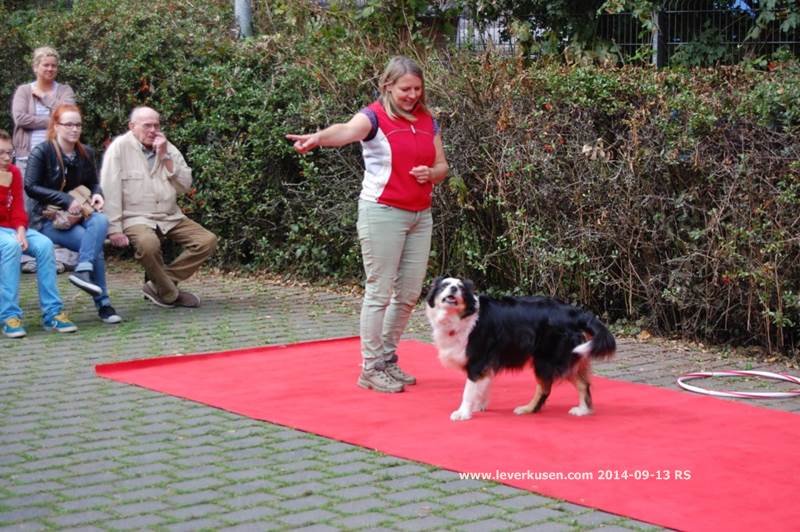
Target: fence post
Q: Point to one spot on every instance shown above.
(241, 10)
(659, 45)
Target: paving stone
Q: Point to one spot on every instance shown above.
(194, 525)
(351, 480)
(535, 515)
(358, 506)
(23, 514)
(144, 507)
(298, 490)
(142, 494)
(471, 513)
(403, 483)
(549, 526)
(595, 518)
(414, 509)
(485, 525)
(249, 514)
(468, 498)
(87, 503)
(431, 522)
(197, 484)
(304, 518)
(524, 501)
(253, 499)
(362, 521)
(249, 487)
(80, 518)
(417, 494)
(137, 522)
(356, 492)
(195, 497)
(302, 503)
(193, 512)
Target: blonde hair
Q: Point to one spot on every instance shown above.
(42, 52)
(398, 67)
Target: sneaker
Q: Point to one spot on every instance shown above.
(398, 374)
(29, 266)
(108, 314)
(379, 380)
(13, 328)
(187, 299)
(60, 323)
(150, 292)
(83, 280)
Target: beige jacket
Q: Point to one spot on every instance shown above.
(23, 110)
(136, 195)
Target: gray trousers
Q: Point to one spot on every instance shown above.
(395, 245)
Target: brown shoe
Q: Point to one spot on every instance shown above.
(150, 292)
(187, 299)
(379, 380)
(398, 374)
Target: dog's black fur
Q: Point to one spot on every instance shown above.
(558, 339)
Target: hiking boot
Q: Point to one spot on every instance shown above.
(13, 328)
(398, 374)
(187, 299)
(83, 280)
(151, 293)
(108, 314)
(60, 323)
(379, 380)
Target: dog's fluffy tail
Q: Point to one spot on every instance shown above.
(601, 345)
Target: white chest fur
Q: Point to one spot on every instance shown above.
(450, 335)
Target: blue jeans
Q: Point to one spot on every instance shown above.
(41, 248)
(87, 239)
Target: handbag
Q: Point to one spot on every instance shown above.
(60, 218)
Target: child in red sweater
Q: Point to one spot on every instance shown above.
(15, 237)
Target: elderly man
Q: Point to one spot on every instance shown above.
(141, 176)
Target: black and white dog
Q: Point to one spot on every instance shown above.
(483, 335)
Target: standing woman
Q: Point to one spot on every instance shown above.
(34, 103)
(56, 167)
(31, 108)
(403, 159)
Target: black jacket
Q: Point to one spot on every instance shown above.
(43, 179)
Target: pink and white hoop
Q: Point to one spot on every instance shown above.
(740, 373)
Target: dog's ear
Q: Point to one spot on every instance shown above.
(469, 298)
(432, 290)
(469, 286)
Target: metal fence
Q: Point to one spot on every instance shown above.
(699, 30)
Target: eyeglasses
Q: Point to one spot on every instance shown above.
(8, 153)
(71, 125)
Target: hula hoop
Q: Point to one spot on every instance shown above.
(740, 373)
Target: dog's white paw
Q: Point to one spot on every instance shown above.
(522, 410)
(459, 415)
(580, 411)
(483, 406)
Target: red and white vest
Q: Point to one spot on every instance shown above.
(390, 151)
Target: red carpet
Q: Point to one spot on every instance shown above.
(740, 464)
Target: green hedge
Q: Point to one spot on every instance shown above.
(665, 199)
